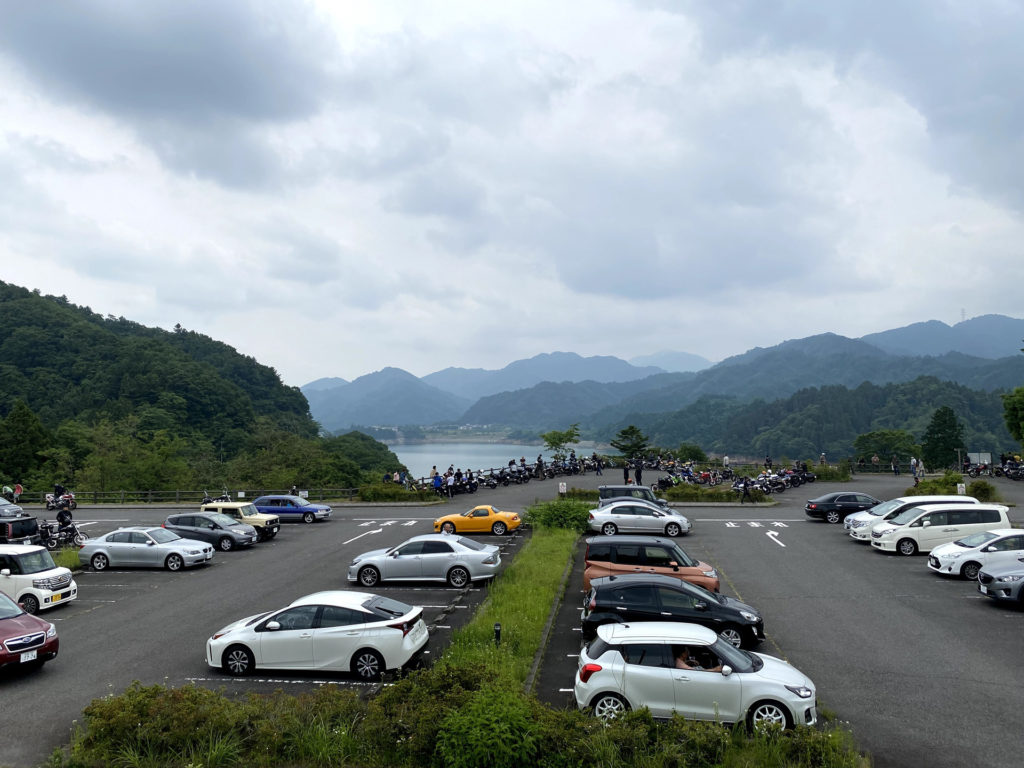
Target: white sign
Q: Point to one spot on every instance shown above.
(241, 494)
(961, 488)
(304, 494)
(561, 488)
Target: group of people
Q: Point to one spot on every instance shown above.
(13, 494)
(445, 484)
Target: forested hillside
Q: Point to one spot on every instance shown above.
(109, 403)
(822, 419)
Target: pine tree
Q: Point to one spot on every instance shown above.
(942, 439)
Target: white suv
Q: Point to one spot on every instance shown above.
(921, 529)
(29, 575)
(630, 666)
(859, 525)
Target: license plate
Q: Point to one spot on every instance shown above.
(983, 590)
(56, 598)
(28, 656)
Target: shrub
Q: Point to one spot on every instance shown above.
(583, 494)
(983, 490)
(834, 473)
(495, 727)
(393, 492)
(67, 557)
(717, 493)
(561, 513)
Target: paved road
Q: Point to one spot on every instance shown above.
(152, 626)
(922, 667)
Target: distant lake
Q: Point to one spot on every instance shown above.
(420, 457)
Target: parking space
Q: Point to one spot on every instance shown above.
(917, 663)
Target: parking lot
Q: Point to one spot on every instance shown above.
(152, 625)
(922, 667)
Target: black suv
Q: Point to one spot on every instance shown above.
(652, 597)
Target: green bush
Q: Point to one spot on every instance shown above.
(67, 557)
(495, 728)
(983, 490)
(717, 493)
(393, 492)
(833, 473)
(582, 494)
(571, 514)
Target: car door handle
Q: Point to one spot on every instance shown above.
(682, 678)
(665, 613)
(620, 608)
(306, 634)
(949, 530)
(352, 634)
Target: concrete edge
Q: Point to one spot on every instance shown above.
(538, 657)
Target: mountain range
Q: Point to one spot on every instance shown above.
(552, 390)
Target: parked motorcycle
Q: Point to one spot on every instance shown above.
(207, 499)
(65, 500)
(55, 536)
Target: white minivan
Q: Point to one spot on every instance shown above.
(29, 576)
(859, 525)
(921, 529)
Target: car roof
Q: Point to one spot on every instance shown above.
(143, 528)
(656, 631)
(627, 579)
(434, 537)
(341, 597)
(919, 500)
(18, 549)
(288, 496)
(1000, 532)
(941, 507)
(639, 539)
(226, 504)
(622, 501)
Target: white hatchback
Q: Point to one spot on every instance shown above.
(340, 631)
(965, 557)
(686, 669)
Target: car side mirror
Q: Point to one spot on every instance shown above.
(926, 523)
(393, 553)
(675, 565)
(700, 605)
(726, 670)
(272, 626)
(150, 543)
(7, 572)
(989, 548)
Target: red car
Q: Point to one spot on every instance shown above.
(24, 638)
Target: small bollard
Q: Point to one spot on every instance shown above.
(497, 634)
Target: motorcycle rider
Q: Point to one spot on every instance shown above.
(64, 519)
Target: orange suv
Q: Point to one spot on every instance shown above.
(615, 555)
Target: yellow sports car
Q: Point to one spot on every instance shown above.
(482, 519)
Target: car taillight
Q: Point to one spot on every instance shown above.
(587, 670)
(404, 626)
(812, 506)
(591, 516)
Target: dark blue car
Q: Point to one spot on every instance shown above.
(293, 508)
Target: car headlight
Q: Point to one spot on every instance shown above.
(750, 616)
(800, 690)
(712, 574)
(1012, 578)
(193, 551)
(51, 632)
(859, 523)
(886, 532)
(951, 555)
(356, 560)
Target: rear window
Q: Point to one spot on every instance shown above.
(989, 515)
(648, 655)
(386, 607)
(470, 544)
(597, 648)
(22, 528)
(963, 517)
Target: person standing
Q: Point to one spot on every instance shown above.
(597, 464)
(625, 472)
(725, 461)
(638, 471)
(895, 466)
(746, 491)
(913, 467)
(451, 484)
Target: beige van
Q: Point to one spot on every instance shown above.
(921, 529)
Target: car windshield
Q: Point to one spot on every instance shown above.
(470, 544)
(906, 516)
(162, 535)
(682, 558)
(35, 562)
(8, 608)
(884, 508)
(737, 658)
(224, 520)
(298, 501)
(248, 510)
(976, 540)
(386, 608)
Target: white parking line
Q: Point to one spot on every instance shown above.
(272, 681)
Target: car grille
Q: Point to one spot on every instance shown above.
(54, 583)
(985, 578)
(933, 561)
(25, 642)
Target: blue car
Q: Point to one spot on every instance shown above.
(293, 508)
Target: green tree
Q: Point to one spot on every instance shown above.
(885, 443)
(1013, 413)
(630, 442)
(22, 441)
(691, 452)
(942, 439)
(557, 440)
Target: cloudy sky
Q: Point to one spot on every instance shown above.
(336, 187)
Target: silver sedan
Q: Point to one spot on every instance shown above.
(431, 557)
(629, 516)
(144, 547)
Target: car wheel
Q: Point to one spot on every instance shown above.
(608, 706)
(226, 544)
(238, 661)
(80, 539)
(906, 547)
(498, 529)
(970, 570)
(99, 562)
(174, 562)
(30, 603)
(673, 529)
(833, 516)
(732, 635)
(458, 577)
(448, 526)
(767, 713)
(368, 665)
(609, 529)
(308, 517)
(369, 576)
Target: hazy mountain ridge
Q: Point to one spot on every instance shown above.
(987, 336)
